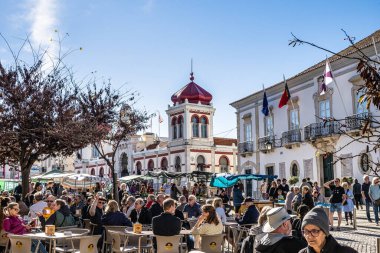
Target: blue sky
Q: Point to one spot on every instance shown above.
(146, 45)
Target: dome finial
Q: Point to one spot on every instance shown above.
(191, 73)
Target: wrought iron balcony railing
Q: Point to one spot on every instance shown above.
(356, 121)
(320, 130)
(267, 143)
(245, 147)
(290, 137)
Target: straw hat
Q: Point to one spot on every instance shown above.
(275, 218)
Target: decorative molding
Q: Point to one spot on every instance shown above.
(200, 151)
(199, 112)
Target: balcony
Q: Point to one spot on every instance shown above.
(356, 121)
(245, 147)
(291, 137)
(321, 130)
(267, 143)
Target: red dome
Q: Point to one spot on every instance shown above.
(193, 93)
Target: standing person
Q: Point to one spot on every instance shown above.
(283, 186)
(296, 201)
(365, 194)
(336, 200)
(263, 189)
(357, 191)
(374, 194)
(237, 197)
(174, 191)
(306, 198)
(277, 234)
(316, 186)
(273, 191)
(185, 192)
(288, 200)
(348, 204)
(315, 228)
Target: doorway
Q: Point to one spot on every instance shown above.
(328, 171)
(248, 184)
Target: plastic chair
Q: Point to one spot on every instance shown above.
(168, 244)
(212, 243)
(106, 236)
(21, 244)
(86, 223)
(116, 246)
(69, 245)
(4, 240)
(88, 244)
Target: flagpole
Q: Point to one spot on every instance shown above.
(159, 124)
(336, 84)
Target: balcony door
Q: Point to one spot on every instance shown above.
(270, 172)
(248, 184)
(328, 171)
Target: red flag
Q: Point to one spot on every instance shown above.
(285, 96)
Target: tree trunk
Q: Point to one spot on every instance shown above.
(114, 184)
(25, 174)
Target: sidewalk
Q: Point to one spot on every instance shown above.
(364, 238)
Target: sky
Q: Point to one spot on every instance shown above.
(147, 45)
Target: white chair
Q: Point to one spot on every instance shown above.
(116, 246)
(168, 244)
(212, 243)
(69, 245)
(21, 244)
(106, 236)
(4, 240)
(88, 244)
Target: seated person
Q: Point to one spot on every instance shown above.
(251, 215)
(208, 224)
(61, 217)
(141, 214)
(192, 208)
(113, 216)
(48, 211)
(218, 205)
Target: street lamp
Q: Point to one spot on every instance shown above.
(268, 145)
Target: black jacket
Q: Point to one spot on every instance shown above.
(115, 219)
(287, 244)
(144, 217)
(166, 224)
(250, 216)
(156, 209)
(331, 246)
(308, 200)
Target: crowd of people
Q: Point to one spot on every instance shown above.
(171, 208)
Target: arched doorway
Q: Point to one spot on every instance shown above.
(124, 164)
(138, 168)
(201, 163)
(164, 164)
(177, 165)
(150, 165)
(101, 172)
(93, 171)
(223, 164)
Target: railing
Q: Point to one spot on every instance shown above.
(356, 121)
(322, 129)
(267, 143)
(292, 136)
(245, 147)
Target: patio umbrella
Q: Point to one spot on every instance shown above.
(55, 175)
(76, 181)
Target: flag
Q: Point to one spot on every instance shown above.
(285, 96)
(327, 78)
(160, 119)
(265, 109)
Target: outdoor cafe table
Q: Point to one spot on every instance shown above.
(147, 233)
(41, 236)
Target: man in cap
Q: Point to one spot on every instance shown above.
(277, 234)
(251, 215)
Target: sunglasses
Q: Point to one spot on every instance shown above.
(16, 209)
(49, 201)
(101, 202)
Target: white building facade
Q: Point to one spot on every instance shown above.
(295, 140)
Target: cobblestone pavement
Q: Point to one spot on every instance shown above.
(363, 239)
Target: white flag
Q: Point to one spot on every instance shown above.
(328, 73)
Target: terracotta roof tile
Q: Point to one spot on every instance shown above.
(224, 141)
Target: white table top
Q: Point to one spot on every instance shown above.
(150, 233)
(57, 235)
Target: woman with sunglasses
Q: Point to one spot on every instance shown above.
(13, 224)
(315, 229)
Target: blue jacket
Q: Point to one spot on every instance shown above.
(237, 196)
(116, 219)
(250, 216)
(193, 211)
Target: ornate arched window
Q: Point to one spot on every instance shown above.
(177, 165)
(164, 163)
(180, 127)
(201, 163)
(101, 172)
(195, 126)
(93, 171)
(124, 164)
(294, 170)
(150, 165)
(223, 164)
(138, 168)
(174, 127)
(204, 127)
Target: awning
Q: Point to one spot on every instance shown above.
(224, 182)
(134, 177)
(76, 181)
(55, 175)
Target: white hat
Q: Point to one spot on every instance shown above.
(275, 218)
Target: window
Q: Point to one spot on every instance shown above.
(124, 164)
(95, 152)
(164, 163)
(180, 127)
(195, 121)
(150, 165)
(360, 107)
(364, 163)
(177, 165)
(203, 127)
(201, 163)
(294, 120)
(223, 164)
(174, 127)
(138, 168)
(93, 172)
(247, 131)
(294, 170)
(269, 126)
(324, 109)
(101, 172)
